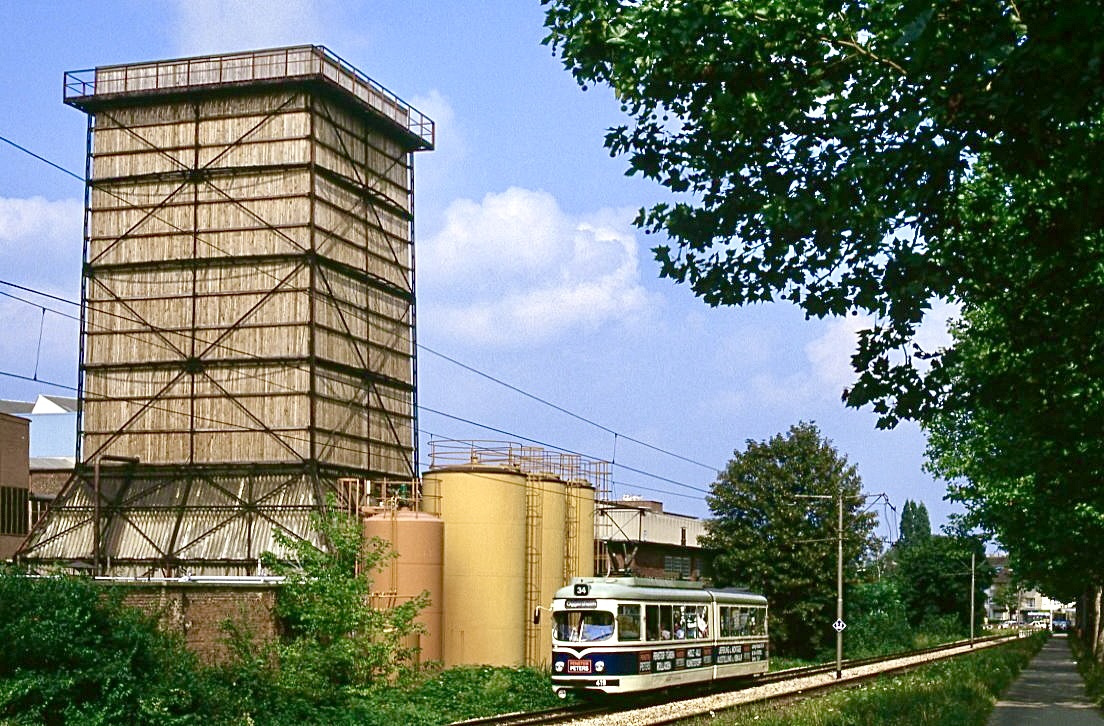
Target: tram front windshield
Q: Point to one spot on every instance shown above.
(579, 626)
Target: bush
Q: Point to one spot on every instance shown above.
(73, 653)
(462, 693)
(879, 625)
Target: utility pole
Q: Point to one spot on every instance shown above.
(839, 590)
(973, 594)
(839, 625)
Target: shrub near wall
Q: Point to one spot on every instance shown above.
(73, 653)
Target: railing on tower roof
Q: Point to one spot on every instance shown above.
(88, 87)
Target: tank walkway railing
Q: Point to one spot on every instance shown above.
(529, 460)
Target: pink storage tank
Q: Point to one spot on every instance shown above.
(418, 538)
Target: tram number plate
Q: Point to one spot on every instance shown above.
(578, 666)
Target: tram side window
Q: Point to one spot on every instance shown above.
(728, 622)
(757, 621)
(651, 621)
(690, 622)
(628, 622)
(743, 621)
(666, 622)
(701, 622)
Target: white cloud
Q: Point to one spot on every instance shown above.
(515, 268)
(217, 26)
(829, 355)
(41, 242)
(449, 142)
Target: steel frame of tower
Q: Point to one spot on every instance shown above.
(226, 444)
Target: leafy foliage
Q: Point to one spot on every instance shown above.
(956, 692)
(874, 157)
(769, 539)
(915, 524)
(933, 574)
(1023, 438)
(335, 637)
(852, 156)
(73, 653)
(461, 693)
(877, 620)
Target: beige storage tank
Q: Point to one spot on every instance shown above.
(483, 510)
(580, 509)
(418, 539)
(552, 550)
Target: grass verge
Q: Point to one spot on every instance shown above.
(956, 692)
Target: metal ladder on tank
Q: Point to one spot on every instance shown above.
(534, 523)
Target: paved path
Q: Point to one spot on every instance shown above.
(1048, 691)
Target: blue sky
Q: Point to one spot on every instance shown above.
(529, 268)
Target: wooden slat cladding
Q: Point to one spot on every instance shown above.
(249, 291)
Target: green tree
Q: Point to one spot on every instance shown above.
(336, 638)
(766, 537)
(877, 623)
(874, 157)
(1006, 597)
(860, 157)
(1021, 436)
(934, 580)
(915, 524)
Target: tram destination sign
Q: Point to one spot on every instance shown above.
(574, 604)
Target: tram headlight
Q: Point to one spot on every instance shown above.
(559, 666)
(599, 666)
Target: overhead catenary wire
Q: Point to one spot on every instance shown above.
(561, 409)
(420, 407)
(420, 346)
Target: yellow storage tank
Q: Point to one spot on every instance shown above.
(483, 510)
(580, 546)
(552, 551)
(418, 539)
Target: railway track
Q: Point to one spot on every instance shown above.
(654, 709)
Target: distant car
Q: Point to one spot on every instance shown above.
(1060, 626)
(1039, 624)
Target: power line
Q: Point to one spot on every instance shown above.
(498, 381)
(560, 448)
(430, 410)
(563, 410)
(450, 359)
(44, 160)
(38, 380)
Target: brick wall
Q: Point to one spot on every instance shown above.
(14, 476)
(196, 611)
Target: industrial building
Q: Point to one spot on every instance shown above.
(248, 341)
(247, 334)
(641, 538)
(14, 482)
